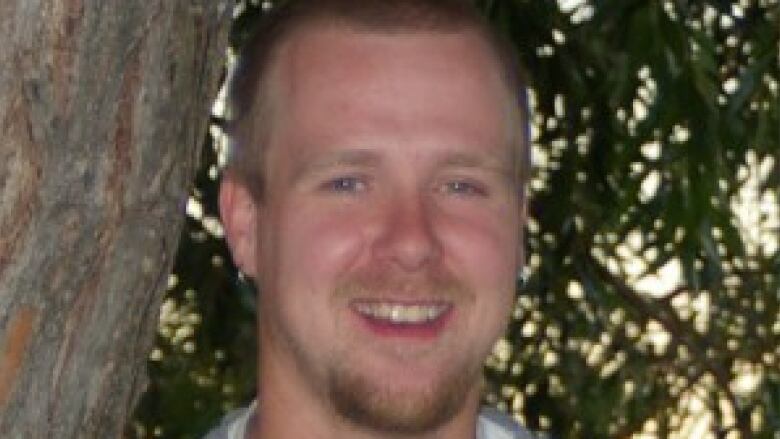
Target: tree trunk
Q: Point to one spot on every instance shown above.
(103, 109)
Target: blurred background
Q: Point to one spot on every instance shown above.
(650, 306)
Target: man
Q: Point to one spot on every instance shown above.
(375, 194)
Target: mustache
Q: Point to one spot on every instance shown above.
(432, 286)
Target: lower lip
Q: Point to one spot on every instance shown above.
(425, 330)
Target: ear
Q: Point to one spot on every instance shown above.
(238, 210)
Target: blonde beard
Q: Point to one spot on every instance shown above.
(368, 403)
(374, 404)
(378, 405)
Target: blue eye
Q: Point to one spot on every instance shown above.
(345, 184)
(464, 188)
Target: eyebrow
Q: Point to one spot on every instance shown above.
(482, 161)
(366, 158)
(342, 158)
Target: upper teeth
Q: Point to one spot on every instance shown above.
(398, 313)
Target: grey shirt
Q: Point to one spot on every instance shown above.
(491, 424)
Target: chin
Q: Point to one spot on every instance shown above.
(394, 406)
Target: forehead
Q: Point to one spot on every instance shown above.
(332, 54)
(328, 73)
(319, 42)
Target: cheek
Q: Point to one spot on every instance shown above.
(483, 251)
(485, 246)
(315, 246)
(308, 253)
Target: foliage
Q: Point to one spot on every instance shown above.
(652, 295)
(203, 363)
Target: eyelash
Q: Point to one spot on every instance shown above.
(467, 188)
(354, 184)
(347, 184)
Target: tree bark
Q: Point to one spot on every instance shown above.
(103, 107)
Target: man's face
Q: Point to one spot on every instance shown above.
(387, 241)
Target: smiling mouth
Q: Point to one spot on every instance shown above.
(401, 313)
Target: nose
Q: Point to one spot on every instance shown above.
(408, 238)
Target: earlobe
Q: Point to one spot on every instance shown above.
(238, 211)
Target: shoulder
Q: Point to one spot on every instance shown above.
(494, 424)
(233, 425)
